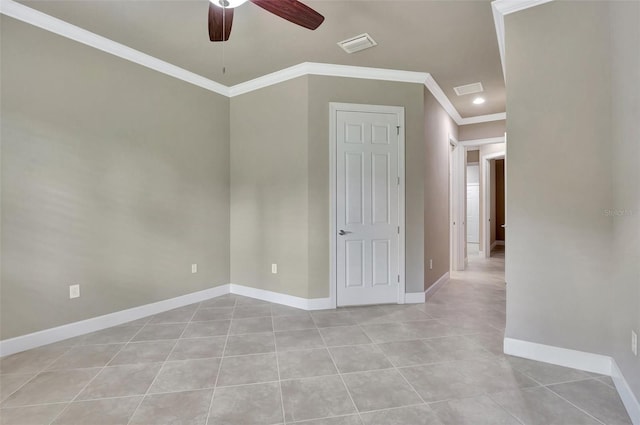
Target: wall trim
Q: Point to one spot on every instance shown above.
(57, 26)
(480, 142)
(590, 362)
(280, 298)
(414, 298)
(70, 330)
(500, 9)
(596, 363)
(431, 290)
(629, 400)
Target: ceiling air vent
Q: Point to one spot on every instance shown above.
(469, 89)
(357, 43)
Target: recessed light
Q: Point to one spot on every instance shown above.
(478, 101)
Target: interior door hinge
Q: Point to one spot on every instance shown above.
(398, 130)
(398, 229)
(398, 278)
(398, 181)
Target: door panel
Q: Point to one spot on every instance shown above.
(367, 201)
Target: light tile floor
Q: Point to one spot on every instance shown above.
(239, 361)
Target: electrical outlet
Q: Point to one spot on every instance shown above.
(430, 264)
(194, 268)
(634, 343)
(274, 268)
(74, 291)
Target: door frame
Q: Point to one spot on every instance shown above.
(334, 108)
(486, 197)
(457, 205)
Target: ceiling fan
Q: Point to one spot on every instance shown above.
(221, 15)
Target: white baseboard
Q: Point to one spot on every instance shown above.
(596, 363)
(284, 299)
(437, 285)
(70, 330)
(414, 298)
(629, 400)
(575, 359)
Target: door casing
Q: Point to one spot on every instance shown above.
(334, 107)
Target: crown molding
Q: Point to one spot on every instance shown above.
(49, 23)
(500, 9)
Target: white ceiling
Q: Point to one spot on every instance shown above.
(453, 40)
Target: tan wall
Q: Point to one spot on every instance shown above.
(437, 128)
(559, 261)
(269, 188)
(500, 217)
(625, 61)
(114, 177)
(473, 157)
(484, 130)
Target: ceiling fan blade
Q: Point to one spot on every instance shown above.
(220, 21)
(292, 11)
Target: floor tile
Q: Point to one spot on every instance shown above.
(183, 408)
(178, 315)
(314, 398)
(113, 411)
(409, 353)
(256, 404)
(539, 406)
(472, 411)
(121, 381)
(238, 345)
(31, 415)
(218, 302)
(292, 323)
(344, 335)
(283, 310)
(186, 375)
(432, 329)
(441, 381)
(404, 315)
(359, 358)
(458, 348)
(198, 348)
(490, 341)
(596, 398)
(207, 314)
(31, 361)
(546, 373)
(298, 340)
(119, 334)
(305, 363)
(412, 415)
(242, 312)
(251, 325)
(155, 332)
(247, 301)
(340, 420)
(143, 352)
(330, 318)
(380, 389)
(386, 332)
(367, 315)
(249, 369)
(10, 383)
(51, 387)
(86, 356)
(204, 329)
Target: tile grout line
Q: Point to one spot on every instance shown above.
(574, 405)
(275, 347)
(161, 367)
(224, 349)
(344, 384)
(95, 376)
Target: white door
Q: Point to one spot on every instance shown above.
(367, 207)
(473, 204)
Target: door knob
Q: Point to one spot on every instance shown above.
(343, 232)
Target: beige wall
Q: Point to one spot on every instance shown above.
(559, 241)
(625, 280)
(484, 130)
(437, 128)
(280, 180)
(269, 188)
(114, 177)
(473, 157)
